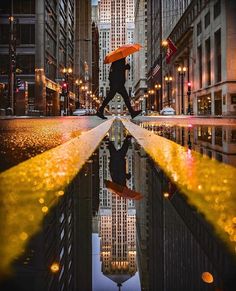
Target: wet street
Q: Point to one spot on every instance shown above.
(117, 205)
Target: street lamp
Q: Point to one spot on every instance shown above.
(78, 83)
(67, 72)
(182, 71)
(157, 88)
(168, 80)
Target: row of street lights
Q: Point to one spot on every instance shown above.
(82, 87)
(168, 79)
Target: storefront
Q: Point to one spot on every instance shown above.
(204, 106)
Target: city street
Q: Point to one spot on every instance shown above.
(117, 145)
(23, 138)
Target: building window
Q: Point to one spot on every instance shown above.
(26, 63)
(24, 7)
(26, 33)
(4, 33)
(217, 9)
(218, 55)
(208, 61)
(199, 52)
(199, 28)
(233, 98)
(207, 19)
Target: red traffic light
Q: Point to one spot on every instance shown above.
(64, 85)
(189, 84)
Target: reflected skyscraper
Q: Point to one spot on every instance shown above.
(117, 220)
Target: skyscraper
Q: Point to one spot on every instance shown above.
(116, 27)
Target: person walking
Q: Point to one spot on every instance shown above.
(117, 85)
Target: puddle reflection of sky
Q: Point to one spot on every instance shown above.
(102, 283)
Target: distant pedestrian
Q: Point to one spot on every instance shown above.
(117, 85)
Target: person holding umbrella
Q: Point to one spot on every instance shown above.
(117, 167)
(117, 78)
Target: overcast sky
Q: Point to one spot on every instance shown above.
(94, 2)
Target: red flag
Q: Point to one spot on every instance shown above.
(171, 49)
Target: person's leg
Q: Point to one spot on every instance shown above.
(109, 97)
(123, 92)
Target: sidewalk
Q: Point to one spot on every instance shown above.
(191, 119)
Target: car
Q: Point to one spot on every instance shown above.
(80, 112)
(167, 111)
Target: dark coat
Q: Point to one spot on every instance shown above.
(117, 72)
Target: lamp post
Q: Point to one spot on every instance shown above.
(181, 71)
(66, 72)
(157, 89)
(78, 83)
(168, 80)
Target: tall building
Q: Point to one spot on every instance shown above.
(83, 50)
(47, 37)
(116, 27)
(95, 52)
(117, 218)
(202, 69)
(140, 60)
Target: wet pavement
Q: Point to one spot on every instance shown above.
(137, 232)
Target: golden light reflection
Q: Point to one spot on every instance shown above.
(209, 185)
(55, 267)
(27, 188)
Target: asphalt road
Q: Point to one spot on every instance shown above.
(24, 138)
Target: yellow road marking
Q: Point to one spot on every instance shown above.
(208, 184)
(30, 189)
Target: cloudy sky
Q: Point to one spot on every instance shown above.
(94, 2)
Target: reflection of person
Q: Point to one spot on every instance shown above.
(117, 164)
(117, 85)
(118, 173)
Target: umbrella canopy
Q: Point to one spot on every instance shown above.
(122, 191)
(122, 52)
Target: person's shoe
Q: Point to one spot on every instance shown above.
(100, 114)
(135, 113)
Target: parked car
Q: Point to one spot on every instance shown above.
(80, 112)
(167, 111)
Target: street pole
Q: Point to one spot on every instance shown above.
(161, 52)
(182, 93)
(12, 63)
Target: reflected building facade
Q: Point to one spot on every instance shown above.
(175, 245)
(65, 239)
(117, 218)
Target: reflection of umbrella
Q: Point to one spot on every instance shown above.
(122, 191)
(122, 52)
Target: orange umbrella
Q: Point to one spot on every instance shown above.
(122, 52)
(122, 191)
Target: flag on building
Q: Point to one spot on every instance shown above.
(171, 49)
(155, 70)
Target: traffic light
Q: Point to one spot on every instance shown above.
(189, 87)
(18, 85)
(64, 88)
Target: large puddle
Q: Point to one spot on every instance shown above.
(122, 225)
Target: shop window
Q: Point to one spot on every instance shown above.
(233, 98)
